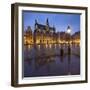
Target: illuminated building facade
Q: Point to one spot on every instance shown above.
(28, 36)
(76, 38)
(45, 34)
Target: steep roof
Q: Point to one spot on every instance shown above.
(43, 27)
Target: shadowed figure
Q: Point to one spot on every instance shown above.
(61, 51)
(69, 50)
(69, 60)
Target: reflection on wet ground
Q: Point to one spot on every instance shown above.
(51, 61)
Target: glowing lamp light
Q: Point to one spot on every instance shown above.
(68, 30)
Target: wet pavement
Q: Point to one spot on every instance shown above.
(47, 61)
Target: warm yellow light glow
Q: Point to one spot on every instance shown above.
(39, 46)
(28, 46)
(49, 40)
(50, 46)
(46, 45)
(69, 31)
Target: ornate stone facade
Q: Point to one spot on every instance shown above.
(45, 34)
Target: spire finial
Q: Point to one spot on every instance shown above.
(47, 22)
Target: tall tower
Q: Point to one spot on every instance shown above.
(34, 34)
(47, 25)
(47, 22)
(36, 24)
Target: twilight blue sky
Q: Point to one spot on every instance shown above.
(59, 20)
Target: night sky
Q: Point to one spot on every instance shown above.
(59, 20)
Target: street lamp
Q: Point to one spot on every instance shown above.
(69, 49)
(69, 34)
(68, 30)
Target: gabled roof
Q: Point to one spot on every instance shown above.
(43, 27)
